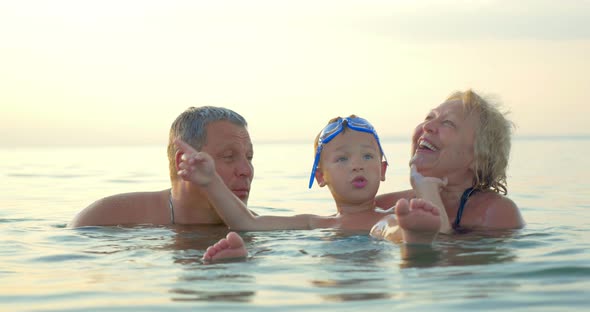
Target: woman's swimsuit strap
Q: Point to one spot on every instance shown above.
(468, 192)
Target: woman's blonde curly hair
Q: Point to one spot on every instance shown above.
(492, 141)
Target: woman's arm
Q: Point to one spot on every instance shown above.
(388, 200)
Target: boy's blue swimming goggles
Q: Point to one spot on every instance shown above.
(333, 129)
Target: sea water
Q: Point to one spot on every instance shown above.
(46, 266)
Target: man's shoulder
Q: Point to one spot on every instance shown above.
(119, 209)
(127, 199)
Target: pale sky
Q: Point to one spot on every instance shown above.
(119, 72)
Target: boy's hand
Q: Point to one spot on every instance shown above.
(196, 167)
(422, 183)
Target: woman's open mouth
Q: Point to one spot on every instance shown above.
(425, 145)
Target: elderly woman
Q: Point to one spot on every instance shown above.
(461, 150)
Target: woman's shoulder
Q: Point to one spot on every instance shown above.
(500, 211)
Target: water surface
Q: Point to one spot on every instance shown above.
(45, 266)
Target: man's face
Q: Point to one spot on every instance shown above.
(231, 148)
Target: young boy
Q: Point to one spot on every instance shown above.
(350, 161)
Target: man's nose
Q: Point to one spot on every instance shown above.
(244, 168)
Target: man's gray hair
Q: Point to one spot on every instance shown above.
(191, 127)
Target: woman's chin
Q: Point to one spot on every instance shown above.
(418, 161)
(423, 167)
(424, 162)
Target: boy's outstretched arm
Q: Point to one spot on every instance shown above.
(199, 168)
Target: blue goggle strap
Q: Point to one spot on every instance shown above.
(315, 165)
(373, 132)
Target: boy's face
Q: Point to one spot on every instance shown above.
(351, 166)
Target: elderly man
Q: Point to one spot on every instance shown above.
(218, 131)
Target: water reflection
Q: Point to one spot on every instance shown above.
(473, 248)
(356, 296)
(353, 289)
(156, 247)
(208, 283)
(191, 289)
(209, 296)
(339, 266)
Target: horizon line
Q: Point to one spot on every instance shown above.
(524, 137)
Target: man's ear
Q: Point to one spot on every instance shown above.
(177, 159)
(383, 170)
(319, 177)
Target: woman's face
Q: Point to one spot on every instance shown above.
(442, 145)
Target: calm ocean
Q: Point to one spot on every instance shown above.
(45, 266)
